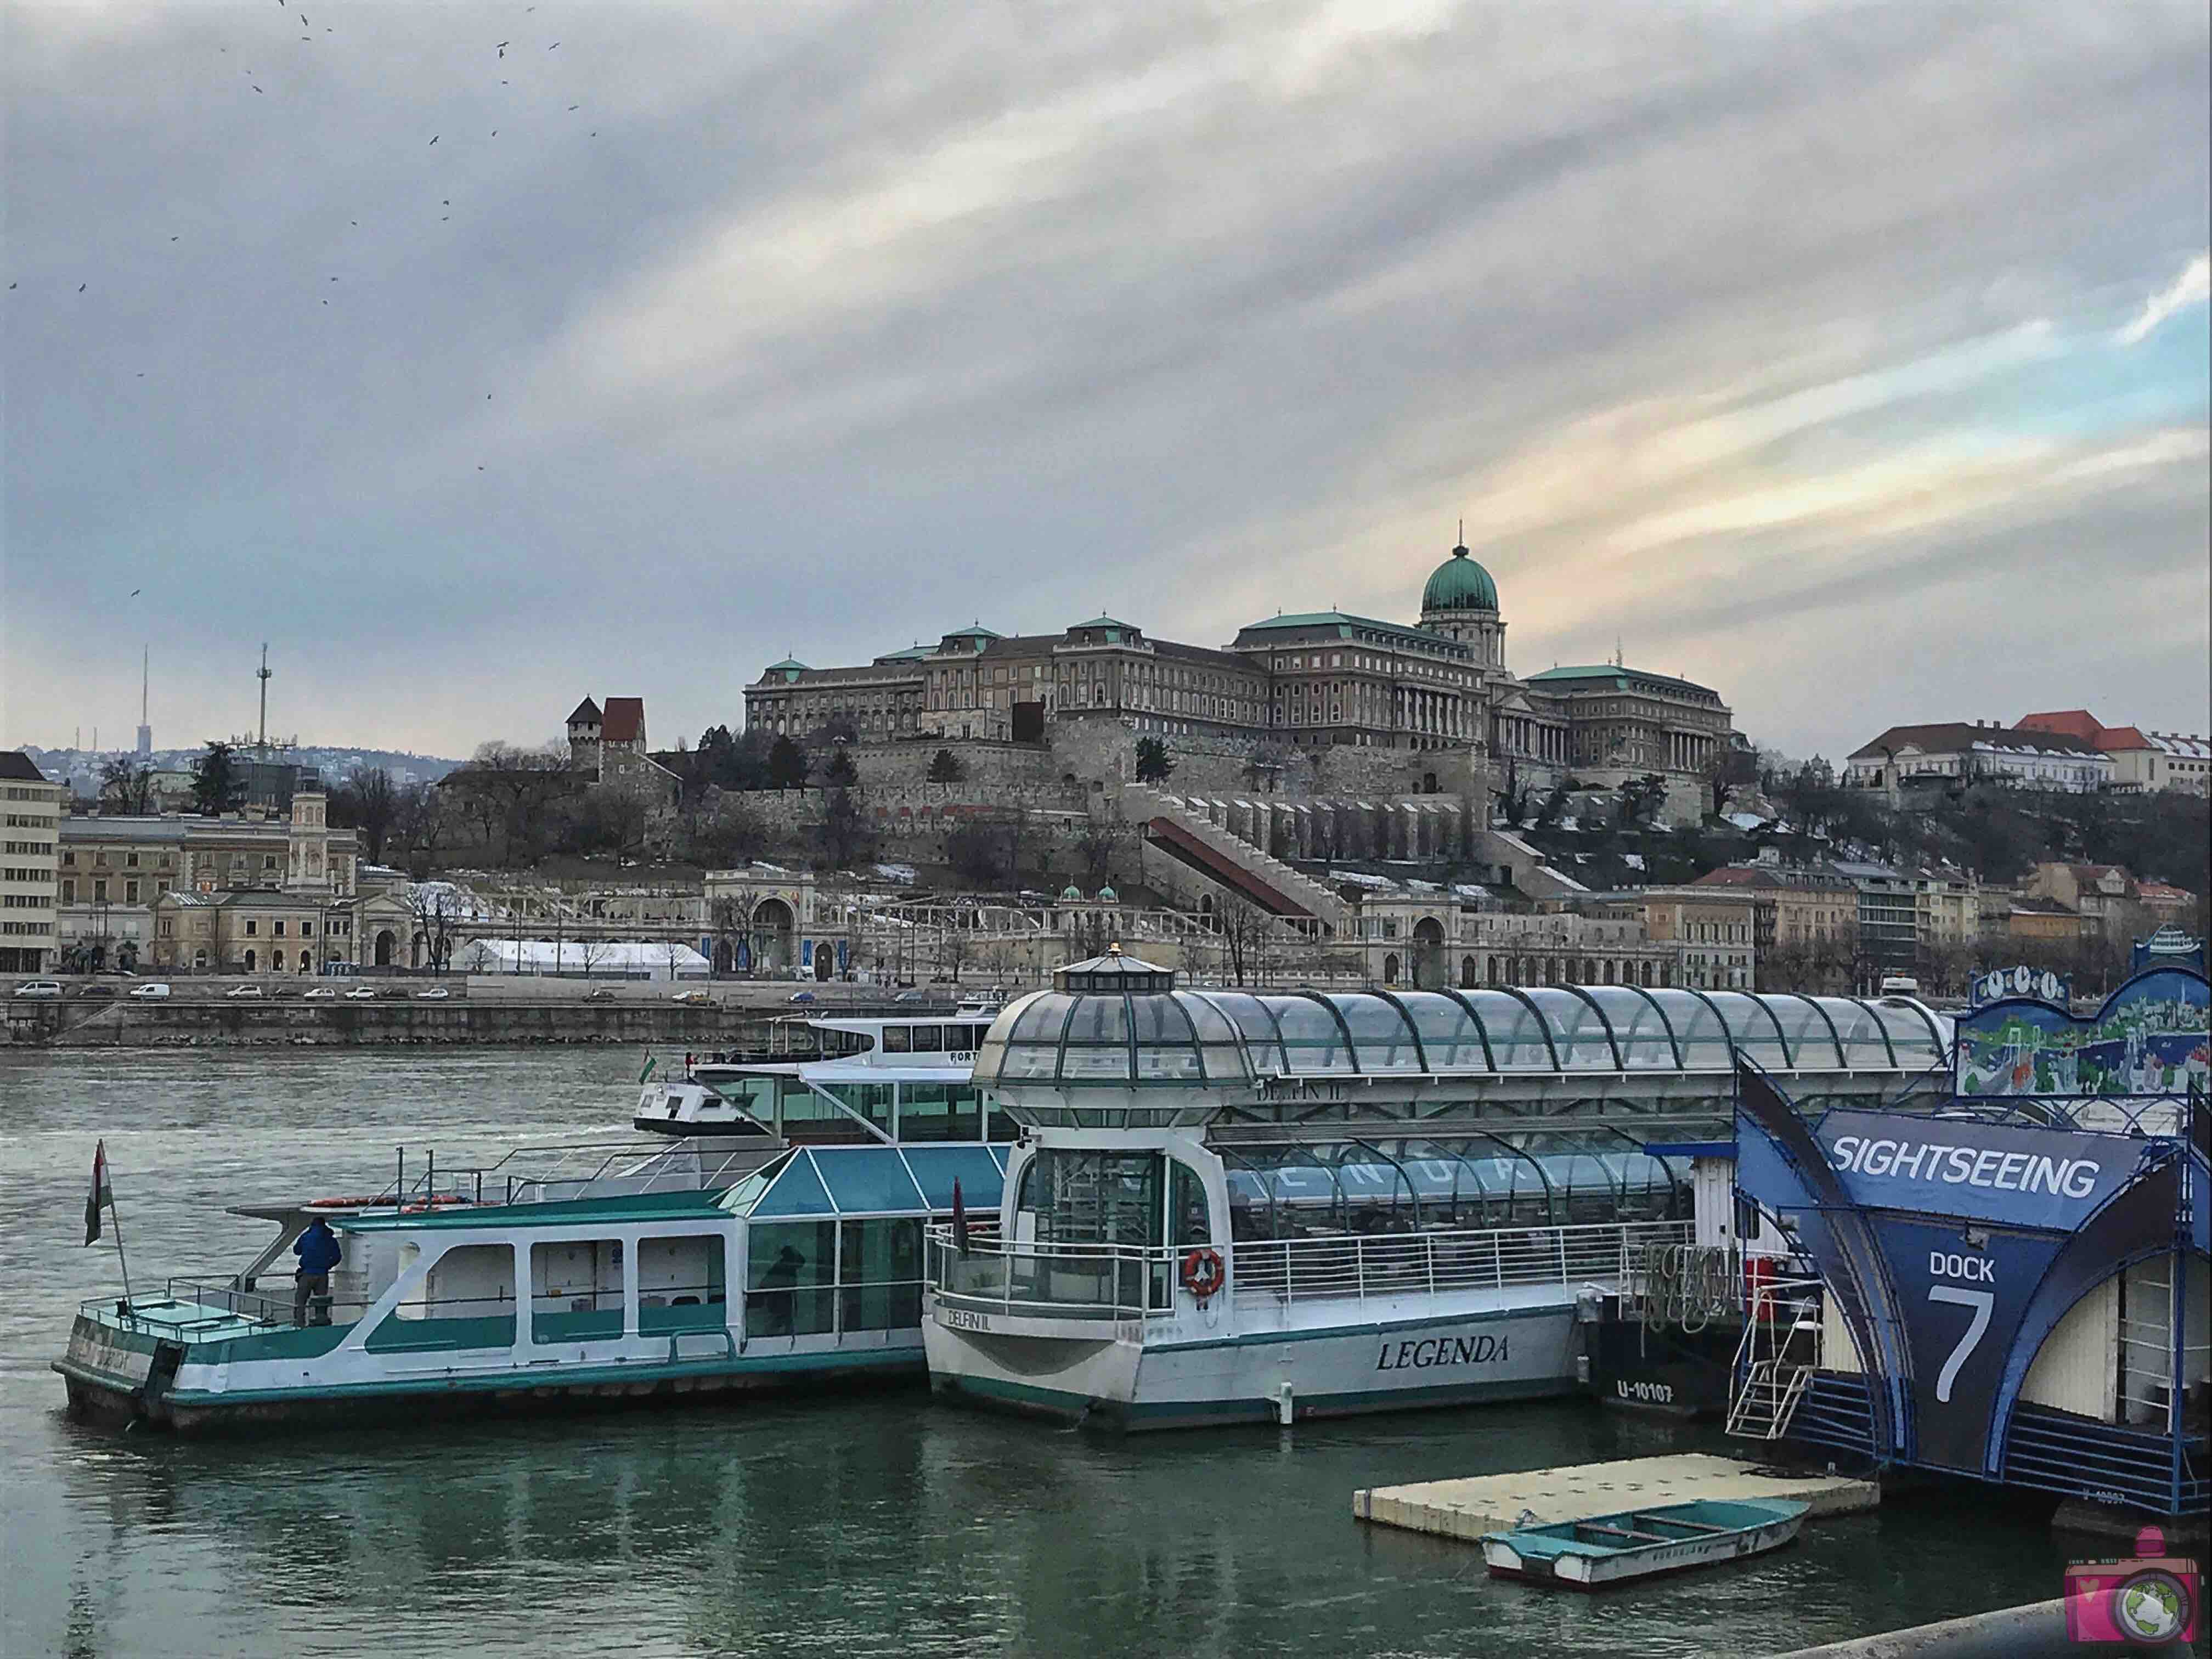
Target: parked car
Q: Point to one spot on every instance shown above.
(435, 993)
(911, 996)
(243, 992)
(361, 993)
(693, 999)
(39, 988)
(600, 993)
(396, 994)
(802, 996)
(318, 993)
(152, 991)
(95, 990)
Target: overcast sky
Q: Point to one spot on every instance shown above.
(1852, 361)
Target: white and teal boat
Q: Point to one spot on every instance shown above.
(1666, 1538)
(1270, 1204)
(829, 1078)
(705, 1268)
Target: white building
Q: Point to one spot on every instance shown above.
(27, 836)
(1976, 752)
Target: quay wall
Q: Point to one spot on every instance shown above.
(509, 1016)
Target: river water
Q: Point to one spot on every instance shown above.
(850, 1524)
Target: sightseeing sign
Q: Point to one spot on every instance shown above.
(1951, 1245)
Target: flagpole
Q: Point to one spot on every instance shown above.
(122, 1261)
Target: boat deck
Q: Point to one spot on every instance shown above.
(1470, 1506)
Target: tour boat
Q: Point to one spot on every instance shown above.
(556, 1275)
(1614, 1549)
(1269, 1204)
(836, 1078)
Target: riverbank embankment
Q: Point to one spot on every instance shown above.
(504, 1012)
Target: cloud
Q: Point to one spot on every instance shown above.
(852, 325)
(2192, 287)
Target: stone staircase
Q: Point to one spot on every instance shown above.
(1228, 859)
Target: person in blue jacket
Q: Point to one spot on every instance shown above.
(318, 1252)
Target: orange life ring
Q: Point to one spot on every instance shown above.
(1203, 1275)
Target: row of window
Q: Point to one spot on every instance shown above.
(33, 848)
(28, 820)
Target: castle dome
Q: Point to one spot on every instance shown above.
(1459, 584)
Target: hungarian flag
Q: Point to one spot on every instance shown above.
(651, 1061)
(100, 1195)
(959, 1220)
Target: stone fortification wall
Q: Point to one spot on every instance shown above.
(1105, 751)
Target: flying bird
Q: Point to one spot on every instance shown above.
(575, 106)
(135, 592)
(555, 46)
(434, 136)
(258, 89)
(81, 287)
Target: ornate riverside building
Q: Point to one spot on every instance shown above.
(1314, 680)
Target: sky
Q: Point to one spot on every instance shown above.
(1850, 360)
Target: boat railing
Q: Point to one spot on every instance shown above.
(1123, 1281)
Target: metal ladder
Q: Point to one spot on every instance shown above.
(1775, 1358)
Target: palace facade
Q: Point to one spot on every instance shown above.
(1312, 680)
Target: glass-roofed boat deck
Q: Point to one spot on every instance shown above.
(1168, 1056)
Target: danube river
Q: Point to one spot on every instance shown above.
(856, 1524)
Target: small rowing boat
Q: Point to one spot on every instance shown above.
(1612, 1549)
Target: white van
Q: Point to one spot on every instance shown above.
(1899, 985)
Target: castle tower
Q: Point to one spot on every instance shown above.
(584, 727)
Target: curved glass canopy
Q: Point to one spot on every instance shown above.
(1080, 1036)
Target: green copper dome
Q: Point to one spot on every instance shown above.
(1459, 584)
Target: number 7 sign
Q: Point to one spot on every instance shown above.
(1981, 1302)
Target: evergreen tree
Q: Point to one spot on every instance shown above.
(841, 773)
(219, 780)
(1154, 763)
(945, 767)
(787, 765)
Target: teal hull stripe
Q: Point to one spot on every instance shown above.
(535, 1379)
(1382, 1327)
(1064, 1404)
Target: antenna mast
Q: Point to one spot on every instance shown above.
(262, 676)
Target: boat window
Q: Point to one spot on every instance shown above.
(880, 1275)
(865, 1178)
(936, 1167)
(1638, 1026)
(790, 1270)
(1380, 1034)
(1864, 1044)
(1516, 1034)
(1313, 1042)
(1096, 1047)
(928, 1039)
(1187, 1205)
(940, 1111)
(679, 1283)
(897, 1039)
(467, 1298)
(1752, 1024)
(1698, 1028)
(870, 1101)
(1085, 1197)
(1448, 1034)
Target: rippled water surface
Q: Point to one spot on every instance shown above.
(850, 1524)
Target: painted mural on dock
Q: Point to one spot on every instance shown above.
(2149, 1038)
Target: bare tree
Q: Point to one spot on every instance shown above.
(126, 786)
(368, 802)
(1242, 928)
(434, 911)
(1095, 851)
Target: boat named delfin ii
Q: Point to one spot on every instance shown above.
(1252, 1205)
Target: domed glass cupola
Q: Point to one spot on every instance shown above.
(1112, 1022)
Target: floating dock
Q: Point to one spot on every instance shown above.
(1469, 1507)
